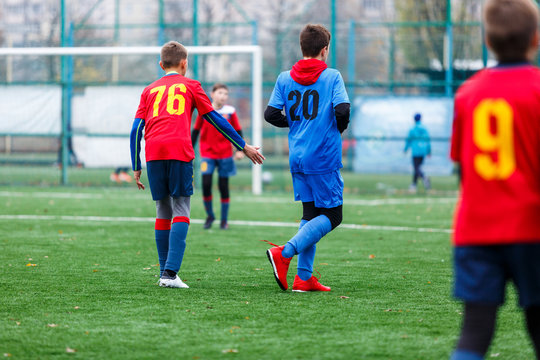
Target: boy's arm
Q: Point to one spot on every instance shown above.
(223, 126)
(275, 117)
(342, 112)
(135, 145)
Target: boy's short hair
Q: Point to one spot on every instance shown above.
(314, 38)
(510, 26)
(218, 86)
(172, 53)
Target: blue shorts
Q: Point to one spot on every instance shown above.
(170, 178)
(225, 166)
(481, 273)
(326, 190)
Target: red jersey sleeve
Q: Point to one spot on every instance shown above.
(141, 111)
(198, 122)
(234, 122)
(455, 145)
(202, 103)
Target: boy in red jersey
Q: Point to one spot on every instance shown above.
(216, 151)
(496, 141)
(165, 113)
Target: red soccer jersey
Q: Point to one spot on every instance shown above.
(496, 139)
(213, 144)
(166, 107)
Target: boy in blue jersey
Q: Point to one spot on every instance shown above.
(418, 141)
(164, 114)
(317, 111)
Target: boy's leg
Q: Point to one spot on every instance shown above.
(326, 191)
(207, 199)
(306, 258)
(480, 275)
(312, 232)
(476, 332)
(177, 238)
(223, 184)
(162, 230)
(417, 161)
(532, 317)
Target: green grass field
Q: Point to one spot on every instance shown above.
(78, 279)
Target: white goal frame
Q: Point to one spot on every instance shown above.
(256, 74)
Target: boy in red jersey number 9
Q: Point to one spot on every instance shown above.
(496, 141)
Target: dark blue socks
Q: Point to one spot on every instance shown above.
(177, 243)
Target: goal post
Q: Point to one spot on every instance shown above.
(256, 83)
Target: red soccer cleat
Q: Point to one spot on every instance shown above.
(280, 265)
(312, 284)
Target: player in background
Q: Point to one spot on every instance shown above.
(496, 141)
(216, 151)
(164, 114)
(317, 110)
(418, 141)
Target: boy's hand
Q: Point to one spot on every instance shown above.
(252, 153)
(137, 176)
(239, 155)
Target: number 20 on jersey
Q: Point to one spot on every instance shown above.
(499, 142)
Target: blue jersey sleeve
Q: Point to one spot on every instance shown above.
(277, 99)
(225, 128)
(339, 93)
(135, 143)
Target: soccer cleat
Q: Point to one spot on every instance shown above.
(280, 265)
(208, 222)
(312, 284)
(173, 283)
(224, 225)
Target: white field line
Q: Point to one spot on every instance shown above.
(117, 219)
(251, 199)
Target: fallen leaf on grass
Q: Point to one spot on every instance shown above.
(95, 270)
(495, 355)
(247, 318)
(70, 350)
(229, 351)
(18, 323)
(76, 308)
(257, 269)
(60, 232)
(146, 268)
(323, 263)
(30, 264)
(52, 325)
(387, 310)
(372, 256)
(218, 259)
(7, 355)
(343, 297)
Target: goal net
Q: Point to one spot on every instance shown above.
(77, 103)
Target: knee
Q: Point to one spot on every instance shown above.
(335, 215)
(309, 210)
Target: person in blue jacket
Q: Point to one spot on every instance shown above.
(418, 141)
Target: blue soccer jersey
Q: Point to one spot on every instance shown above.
(314, 139)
